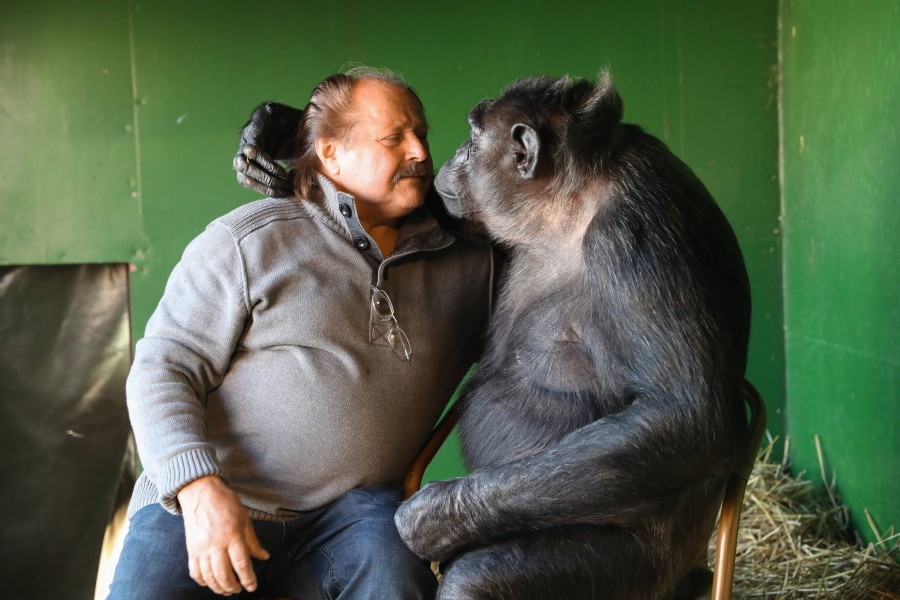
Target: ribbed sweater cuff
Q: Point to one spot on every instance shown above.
(182, 470)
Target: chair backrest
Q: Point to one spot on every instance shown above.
(732, 501)
(726, 544)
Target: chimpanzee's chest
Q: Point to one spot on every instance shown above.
(545, 348)
(539, 384)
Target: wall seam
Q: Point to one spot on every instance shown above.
(779, 83)
(139, 190)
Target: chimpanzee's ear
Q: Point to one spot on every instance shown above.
(526, 149)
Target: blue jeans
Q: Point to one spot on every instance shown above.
(349, 549)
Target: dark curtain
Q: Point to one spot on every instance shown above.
(65, 351)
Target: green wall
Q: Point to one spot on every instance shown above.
(67, 157)
(119, 120)
(841, 150)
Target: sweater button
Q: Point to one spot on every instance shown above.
(361, 243)
(345, 210)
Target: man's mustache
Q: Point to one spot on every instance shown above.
(415, 169)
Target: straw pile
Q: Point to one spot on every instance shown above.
(794, 542)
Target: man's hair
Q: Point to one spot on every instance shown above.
(329, 114)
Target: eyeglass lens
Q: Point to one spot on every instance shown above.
(399, 343)
(381, 305)
(396, 337)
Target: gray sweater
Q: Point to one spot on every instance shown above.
(257, 365)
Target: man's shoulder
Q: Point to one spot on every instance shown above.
(248, 218)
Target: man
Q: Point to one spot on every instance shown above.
(300, 355)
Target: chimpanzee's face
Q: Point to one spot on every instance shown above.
(454, 180)
(495, 171)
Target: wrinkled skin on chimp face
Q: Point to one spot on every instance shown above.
(453, 179)
(502, 153)
(450, 179)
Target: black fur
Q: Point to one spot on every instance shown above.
(268, 136)
(606, 412)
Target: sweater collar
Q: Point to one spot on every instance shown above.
(419, 230)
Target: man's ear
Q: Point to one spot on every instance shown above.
(326, 150)
(526, 149)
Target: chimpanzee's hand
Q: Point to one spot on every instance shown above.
(436, 522)
(268, 136)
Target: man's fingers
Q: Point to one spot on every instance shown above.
(256, 549)
(253, 545)
(195, 571)
(242, 565)
(223, 571)
(209, 576)
(240, 554)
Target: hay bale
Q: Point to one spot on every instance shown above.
(794, 542)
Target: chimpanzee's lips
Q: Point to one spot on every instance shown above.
(453, 202)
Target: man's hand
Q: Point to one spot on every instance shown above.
(268, 136)
(220, 538)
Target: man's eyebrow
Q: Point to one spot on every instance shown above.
(404, 125)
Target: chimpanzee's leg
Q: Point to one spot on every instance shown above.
(567, 563)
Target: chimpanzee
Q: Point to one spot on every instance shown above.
(605, 414)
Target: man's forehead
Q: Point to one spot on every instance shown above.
(386, 104)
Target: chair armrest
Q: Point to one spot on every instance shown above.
(413, 480)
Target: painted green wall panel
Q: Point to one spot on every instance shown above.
(842, 293)
(67, 160)
(722, 122)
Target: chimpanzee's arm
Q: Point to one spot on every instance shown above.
(268, 136)
(608, 472)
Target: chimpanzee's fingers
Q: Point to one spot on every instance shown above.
(255, 155)
(268, 174)
(284, 190)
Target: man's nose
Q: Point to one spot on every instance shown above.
(416, 148)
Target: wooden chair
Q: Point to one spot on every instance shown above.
(726, 544)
